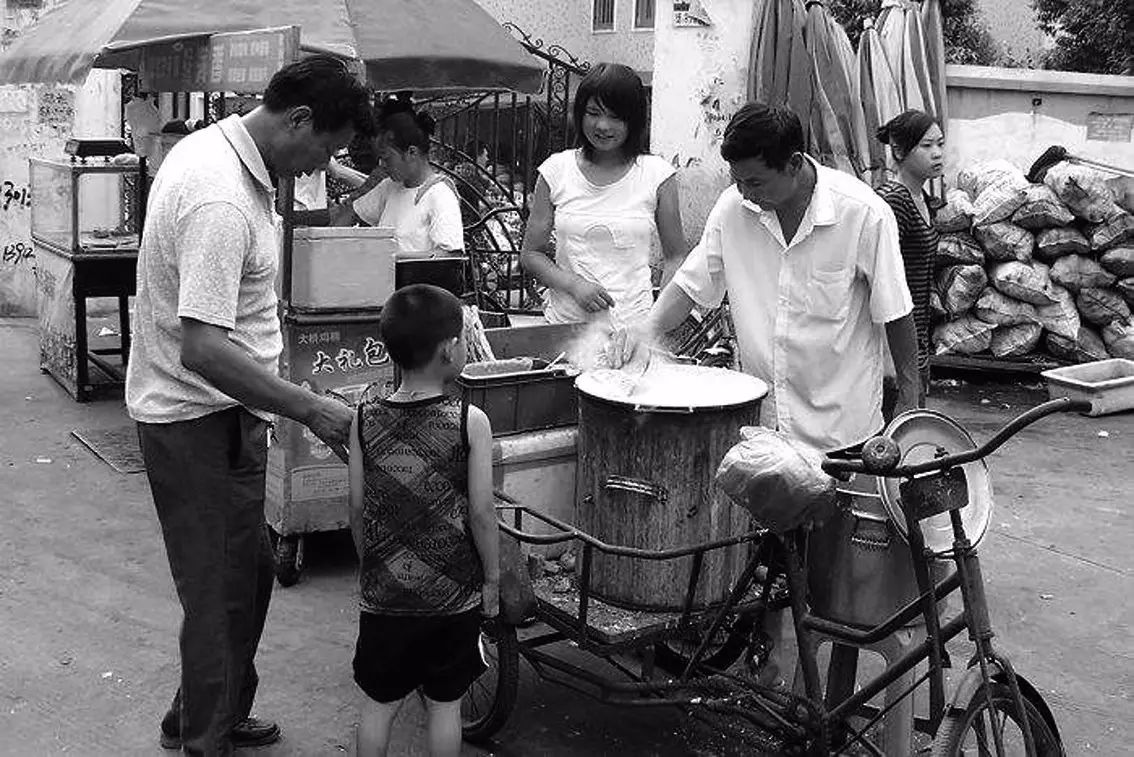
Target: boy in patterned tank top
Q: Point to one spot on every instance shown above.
(424, 525)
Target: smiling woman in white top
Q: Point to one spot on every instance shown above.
(605, 202)
(413, 200)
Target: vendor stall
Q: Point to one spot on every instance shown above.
(87, 211)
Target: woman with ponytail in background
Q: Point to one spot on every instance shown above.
(918, 147)
(414, 200)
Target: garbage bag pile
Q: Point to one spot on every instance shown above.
(1027, 268)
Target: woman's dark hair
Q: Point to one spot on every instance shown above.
(406, 127)
(325, 84)
(415, 320)
(768, 132)
(904, 131)
(618, 89)
(474, 148)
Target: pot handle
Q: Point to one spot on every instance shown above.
(867, 540)
(637, 486)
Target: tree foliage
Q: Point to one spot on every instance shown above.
(1093, 36)
(967, 39)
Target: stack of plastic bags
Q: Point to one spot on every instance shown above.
(1025, 268)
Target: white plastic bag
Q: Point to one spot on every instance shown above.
(780, 481)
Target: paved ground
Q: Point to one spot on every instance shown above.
(88, 619)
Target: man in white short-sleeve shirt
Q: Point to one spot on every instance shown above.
(203, 382)
(809, 259)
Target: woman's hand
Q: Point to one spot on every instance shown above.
(590, 296)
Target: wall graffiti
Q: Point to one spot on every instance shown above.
(14, 196)
(17, 252)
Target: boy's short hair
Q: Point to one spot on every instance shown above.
(416, 320)
(768, 132)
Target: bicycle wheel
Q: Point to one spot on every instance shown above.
(489, 701)
(971, 732)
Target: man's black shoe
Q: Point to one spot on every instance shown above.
(247, 733)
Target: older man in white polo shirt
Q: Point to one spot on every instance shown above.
(203, 382)
(810, 261)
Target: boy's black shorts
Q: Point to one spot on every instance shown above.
(397, 654)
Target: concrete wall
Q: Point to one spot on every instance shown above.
(568, 23)
(699, 82)
(1016, 114)
(37, 120)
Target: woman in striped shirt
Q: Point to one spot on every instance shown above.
(918, 146)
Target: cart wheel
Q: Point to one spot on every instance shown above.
(287, 558)
(730, 642)
(489, 701)
(971, 731)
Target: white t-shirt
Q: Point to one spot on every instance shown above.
(604, 234)
(810, 315)
(311, 191)
(431, 223)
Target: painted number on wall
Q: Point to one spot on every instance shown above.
(17, 252)
(14, 196)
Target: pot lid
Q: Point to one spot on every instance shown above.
(923, 435)
(672, 386)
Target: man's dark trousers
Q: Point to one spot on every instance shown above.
(207, 480)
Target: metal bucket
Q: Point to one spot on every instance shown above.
(860, 571)
(645, 480)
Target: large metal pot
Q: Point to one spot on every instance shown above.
(860, 570)
(647, 454)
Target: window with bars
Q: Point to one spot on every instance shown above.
(644, 14)
(603, 18)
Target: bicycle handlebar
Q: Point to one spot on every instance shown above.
(1061, 405)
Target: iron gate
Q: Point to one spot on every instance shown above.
(491, 143)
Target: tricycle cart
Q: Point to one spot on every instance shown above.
(686, 658)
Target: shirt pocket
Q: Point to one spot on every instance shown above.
(829, 294)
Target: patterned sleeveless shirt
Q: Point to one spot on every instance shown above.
(418, 555)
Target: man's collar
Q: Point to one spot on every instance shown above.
(822, 203)
(237, 135)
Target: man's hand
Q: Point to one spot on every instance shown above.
(490, 600)
(330, 420)
(591, 297)
(628, 348)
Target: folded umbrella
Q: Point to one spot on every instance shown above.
(878, 92)
(779, 69)
(899, 29)
(837, 118)
(933, 25)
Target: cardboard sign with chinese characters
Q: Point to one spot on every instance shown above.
(307, 484)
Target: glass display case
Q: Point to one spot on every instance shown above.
(85, 217)
(87, 205)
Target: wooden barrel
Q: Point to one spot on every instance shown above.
(646, 462)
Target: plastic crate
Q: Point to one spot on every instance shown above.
(1107, 384)
(520, 402)
(533, 400)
